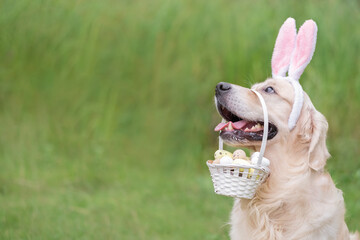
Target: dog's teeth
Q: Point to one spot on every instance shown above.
(230, 127)
(246, 129)
(253, 127)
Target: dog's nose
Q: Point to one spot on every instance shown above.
(222, 87)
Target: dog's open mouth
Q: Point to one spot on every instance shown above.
(239, 129)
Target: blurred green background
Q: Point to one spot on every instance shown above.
(106, 110)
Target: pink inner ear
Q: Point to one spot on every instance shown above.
(284, 46)
(305, 47)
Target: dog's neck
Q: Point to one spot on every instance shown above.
(285, 159)
(289, 169)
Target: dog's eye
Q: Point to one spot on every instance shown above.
(269, 90)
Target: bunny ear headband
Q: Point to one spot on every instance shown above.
(292, 53)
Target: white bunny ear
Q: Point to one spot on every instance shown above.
(304, 50)
(284, 47)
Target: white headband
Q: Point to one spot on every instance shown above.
(298, 101)
(292, 53)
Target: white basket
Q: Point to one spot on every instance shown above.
(234, 180)
(241, 181)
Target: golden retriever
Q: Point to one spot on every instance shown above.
(299, 200)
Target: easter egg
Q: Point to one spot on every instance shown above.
(216, 161)
(210, 161)
(254, 159)
(222, 153)
(251, 171)
(239, 154)
(226, 160)
(241, 161)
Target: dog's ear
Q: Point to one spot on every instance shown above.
(313, 133)
(318, 153)
(284, 47)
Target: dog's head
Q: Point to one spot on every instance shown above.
(292, 117)
(241, 106)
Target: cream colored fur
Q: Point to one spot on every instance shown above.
(299, 200)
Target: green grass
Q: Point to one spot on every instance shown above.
(106, 110)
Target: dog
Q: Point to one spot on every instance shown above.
(299, 200)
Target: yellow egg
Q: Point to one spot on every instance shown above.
(221, 153)
(251, 171)
(239, 154)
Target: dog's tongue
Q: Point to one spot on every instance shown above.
(239, 124)
(235, 125)
(221, 126)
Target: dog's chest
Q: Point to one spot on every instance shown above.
(279, 220)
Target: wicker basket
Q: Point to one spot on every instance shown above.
(234, 180)
(241, 181)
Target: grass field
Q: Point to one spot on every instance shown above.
(106, 110)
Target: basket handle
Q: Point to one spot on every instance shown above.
(266, 127)
(221, 142)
